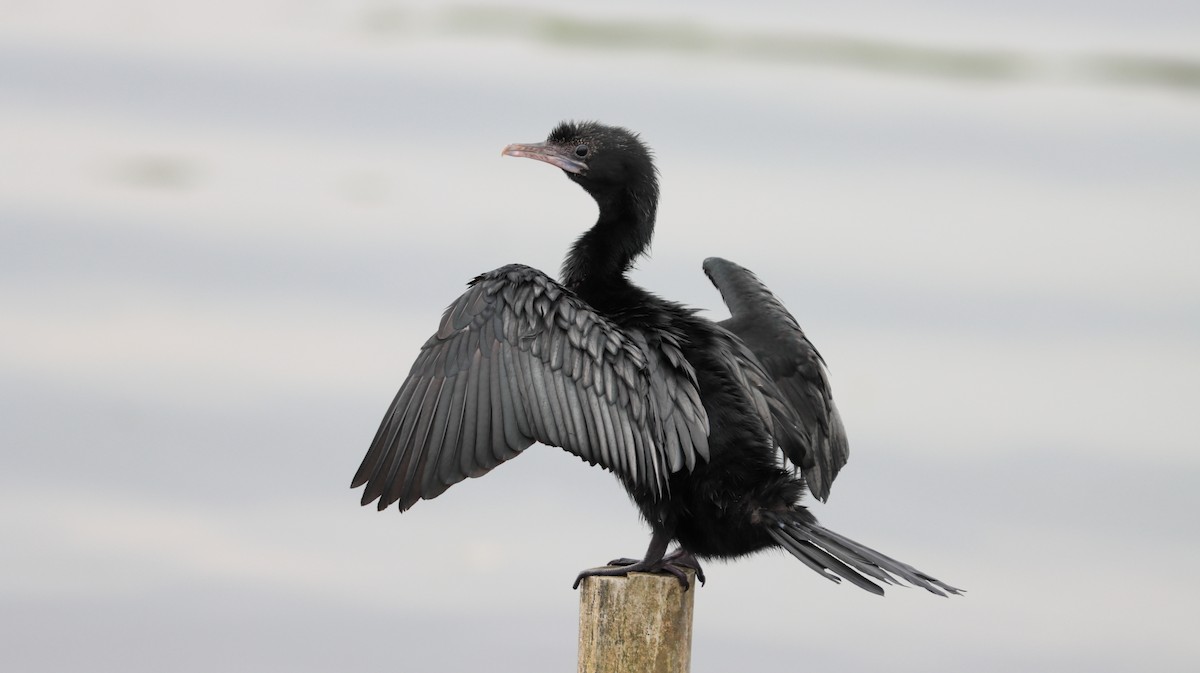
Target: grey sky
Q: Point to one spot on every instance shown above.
(226, 230)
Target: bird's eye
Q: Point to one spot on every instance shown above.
(581, 150)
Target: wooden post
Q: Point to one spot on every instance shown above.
(641, 623)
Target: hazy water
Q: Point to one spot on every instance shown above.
(225, 233)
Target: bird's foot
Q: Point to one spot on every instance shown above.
(658, 567)
(672, 564)
(682, 558)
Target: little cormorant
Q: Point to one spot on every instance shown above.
(703, 423)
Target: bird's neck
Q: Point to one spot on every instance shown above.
(601, 257)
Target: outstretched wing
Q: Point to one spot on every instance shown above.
(775, 338)
(518, 359)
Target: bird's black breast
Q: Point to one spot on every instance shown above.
(718, 504)
(713, 506)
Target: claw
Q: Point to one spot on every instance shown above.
(679, 575)
(685, 559)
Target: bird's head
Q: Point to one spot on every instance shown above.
(602, 159)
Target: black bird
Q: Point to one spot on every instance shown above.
(701, 422)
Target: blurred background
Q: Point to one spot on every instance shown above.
(227, 227)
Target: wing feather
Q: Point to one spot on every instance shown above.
(455, 468)
(818, 444)
(518, 359)
(546, 413)
(511, 414)
(592, 424)
(579, 432)
(510, 375)
(563, 405)
(482, 448)
(461, 425)
(603, 430)
(399, 422)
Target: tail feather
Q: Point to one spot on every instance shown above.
(828, 552)
(899, 568)
(823, 563)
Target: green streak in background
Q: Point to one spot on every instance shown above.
(1165, 72)
(683, 36)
